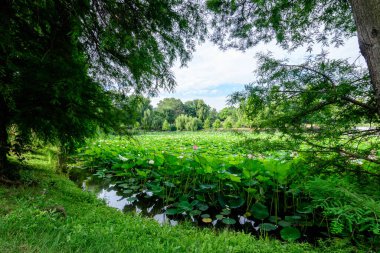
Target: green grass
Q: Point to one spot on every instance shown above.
(27, 225)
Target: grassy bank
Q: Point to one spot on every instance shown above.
(49, 213)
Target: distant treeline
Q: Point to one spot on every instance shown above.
(172, 114)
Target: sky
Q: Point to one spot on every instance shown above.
(213, 74)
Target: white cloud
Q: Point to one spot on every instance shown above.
(211, 68)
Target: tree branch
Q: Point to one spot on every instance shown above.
(346, 98)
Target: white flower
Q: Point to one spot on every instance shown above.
(122, 158)
(151, 162)
(250, 156)
(180, 157)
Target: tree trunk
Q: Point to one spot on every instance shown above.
(3, 138)
(367, 18)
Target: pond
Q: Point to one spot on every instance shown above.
(142, 203)
(145, 203)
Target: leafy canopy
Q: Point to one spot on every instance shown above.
(243, 24)
(62, 61)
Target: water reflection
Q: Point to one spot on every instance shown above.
(115, 198)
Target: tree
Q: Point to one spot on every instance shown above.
(147, 120)
(243, 24)
(193, 124)
(157, 121)
(170, 108)
(207, 124)
(227, 112)
(213, 115)
(141, 104)
(202, 109)
(165, 126)
(44, 86)
(57, 57)
(197, 108)
(217, 124)
(228, 123)
(333, 94)
(190, 108)
(180, 122)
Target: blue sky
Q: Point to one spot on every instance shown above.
(213, 74)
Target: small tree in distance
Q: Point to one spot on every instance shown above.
(217, 124)
(165, 126)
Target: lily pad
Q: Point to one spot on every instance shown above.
(132, 199)
(290, 234)
(202, 207)
(229, 221)
(205, 215)
(259, 211)
(185, 206)
(292, 219)
(219, 216)
(207, 220)
(124, 185)
(284, 224)
(207, 186)
(225, 211)
(135, 187)
(236, 202)
(171, 211)
(195, 212)
(274, 219)
(267, 227)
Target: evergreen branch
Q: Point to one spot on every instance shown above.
(333, 84)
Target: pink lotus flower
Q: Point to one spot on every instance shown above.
(195, 147)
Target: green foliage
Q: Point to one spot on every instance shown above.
(180, 122)
(194, 172)
(207, 124)
(184, 122)
(171, 108)
(319, 103)
(244, 24)
(259, 211)
(27, 224)
(147, 119)
(228, 123)
(207, 176)
(193, 124)
(138, 42)
(348, 209)
(227, 112)
(290, 234)
(60, 61)
(165, 126)
(217, 124)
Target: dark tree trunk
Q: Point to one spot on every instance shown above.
(367, 18)
(3, 138)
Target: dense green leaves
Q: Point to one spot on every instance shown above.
(60, 62)
(320, 103)
(243, 24)
(259, 211)
(220, 183)
(290, 234)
